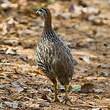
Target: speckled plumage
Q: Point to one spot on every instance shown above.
(52, 55)
(54, 58)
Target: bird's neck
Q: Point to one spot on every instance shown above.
(47, 23)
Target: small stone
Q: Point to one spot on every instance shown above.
(90, 40)
(11, 104)
(4, 5)
(11, 51)
(9, 69)
(11, 21)
(20, 89)
(78, 9)
(44, 104)
(96, 109)
(16, 84)
(105, 74)
(91, 17)
(79, 101)
(98, 91)
(2, 86)
(92, 10)
(102, 16)
(24, 58)
(86, 59)
(4, 32)
(28, 31)
(105, 66)
(65, 15)
(7, 42)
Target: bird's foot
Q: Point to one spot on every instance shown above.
(67, 100)
(56, 99)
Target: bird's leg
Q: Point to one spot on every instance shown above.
(56, 92)
(54, 81)
(66, 95)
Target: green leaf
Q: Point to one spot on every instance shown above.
(50, 1)
(76, 88)
(0, 105)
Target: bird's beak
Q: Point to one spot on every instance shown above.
(37, 12)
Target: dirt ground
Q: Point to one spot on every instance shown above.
(84, 25)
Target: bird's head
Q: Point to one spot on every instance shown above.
(44, 12)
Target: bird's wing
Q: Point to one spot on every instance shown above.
(62, 59)
(69, 53)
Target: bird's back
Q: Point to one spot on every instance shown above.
(54, 57)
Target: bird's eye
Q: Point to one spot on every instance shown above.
(41, 13)
(41, 10)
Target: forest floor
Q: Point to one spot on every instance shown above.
(83, 26)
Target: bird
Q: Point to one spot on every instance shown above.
(53, 56)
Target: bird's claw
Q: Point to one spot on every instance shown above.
(67, 100)
(56, 100)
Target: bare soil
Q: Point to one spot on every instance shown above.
(85, 30)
